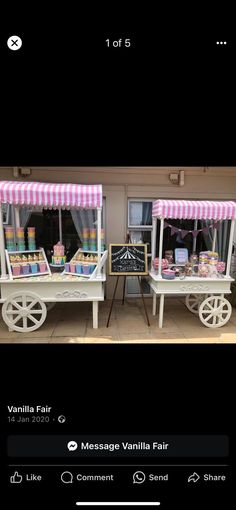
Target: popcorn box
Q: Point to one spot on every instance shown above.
(25, 269)
(86, 270)
(16, 270)
(42, 267)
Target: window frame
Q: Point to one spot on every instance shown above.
(138, 227)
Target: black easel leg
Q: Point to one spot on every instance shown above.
(112, 302)
(123, 300)
(144, 304)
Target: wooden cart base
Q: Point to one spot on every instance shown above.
(213, 308)
(25, 307)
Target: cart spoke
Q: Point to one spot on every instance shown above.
(14, 303)
(33, 319)
(19, 314)
(215, 311)
(209, 317)
(16, 319)
(12, 312)
(32, 303)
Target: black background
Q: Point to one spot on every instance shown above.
(66, 99)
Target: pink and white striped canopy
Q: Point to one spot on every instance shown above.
(51, 195)
(194, 209)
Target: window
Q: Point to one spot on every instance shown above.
(140, 231)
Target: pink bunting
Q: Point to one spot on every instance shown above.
(173, 230)
(184, 233)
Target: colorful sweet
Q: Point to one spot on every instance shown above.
(59, 249)
(164, 263)
(203, 257)
(169, 255)
(188, 269)
(58, 257)
(212, 254)
(221, 268)
(168, 274)
(213, 261)
(203, 270)
(212, 271)
(193, 259)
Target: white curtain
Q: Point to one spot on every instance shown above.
(25, 214)
(83, 218)
(222, 238)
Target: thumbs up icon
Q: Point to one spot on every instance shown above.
(16, 478)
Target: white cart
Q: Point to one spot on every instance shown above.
(204, 296)
(26, 300)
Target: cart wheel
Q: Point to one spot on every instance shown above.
(50, 306)
(24, 312)
(215, 311)
(193, 301)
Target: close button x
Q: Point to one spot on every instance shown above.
(14, 42)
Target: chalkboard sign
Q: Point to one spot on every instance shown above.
(128, 259)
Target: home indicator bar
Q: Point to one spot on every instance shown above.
(118, 503)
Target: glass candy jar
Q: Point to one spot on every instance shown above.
(169, 255)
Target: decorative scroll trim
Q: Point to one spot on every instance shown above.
(71, 294)
(196, 288)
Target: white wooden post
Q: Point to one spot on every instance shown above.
(99, 226)
(60, 226)
(95, 314)
(160, 246)
(2, 248)
(214, 239)
(154, 237)
(195, 239)
(231, 238)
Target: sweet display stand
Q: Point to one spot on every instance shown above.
(26, 300)
(204, 296)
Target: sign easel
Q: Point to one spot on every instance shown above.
(127, 260)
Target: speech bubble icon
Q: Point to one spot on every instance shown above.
(139, 477)
(72, 446)
(67, 477)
